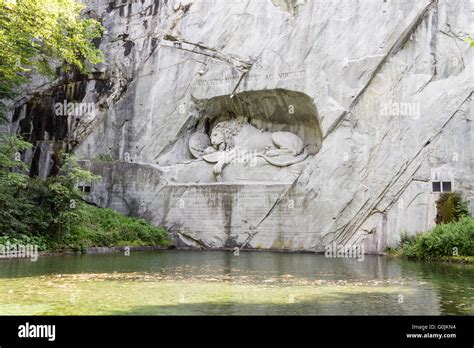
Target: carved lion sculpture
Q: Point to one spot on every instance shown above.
(232, 140)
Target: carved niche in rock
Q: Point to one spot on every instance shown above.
(239, 141)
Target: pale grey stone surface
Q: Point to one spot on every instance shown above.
(382, 90)
(238, 141)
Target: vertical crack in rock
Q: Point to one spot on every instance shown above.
(397, 46)
(433, 47)
(122, 83)
(238, 83)
(353, 227)
(434, 39)
(228, 207)
(146, 102)
(272, 209)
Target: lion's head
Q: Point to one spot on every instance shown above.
(223, 133)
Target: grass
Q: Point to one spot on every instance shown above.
(452, 241)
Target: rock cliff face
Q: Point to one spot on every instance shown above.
(380, 92)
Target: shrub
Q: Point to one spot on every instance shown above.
(24, 239)
(450, 208)
(51, 211)
(105, 227)
(407, 239)
(445, 240)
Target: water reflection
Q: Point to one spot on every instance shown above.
(215, 282)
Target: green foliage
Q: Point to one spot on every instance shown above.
(14, 181)
(71, 174)
(105, 227)
(407, 239)
(10, 147)
(34, 34)
(52, 213)
(471, 41)
(462, 209)
(32, 206)
(445, 239)
(38, 35)
(455, 239)
(407, 243)
(450, 208)
(24, 239)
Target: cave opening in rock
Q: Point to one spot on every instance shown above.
(263, 135)
(275, 110)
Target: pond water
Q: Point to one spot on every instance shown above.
(174, 282)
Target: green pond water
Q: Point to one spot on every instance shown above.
(175, 282)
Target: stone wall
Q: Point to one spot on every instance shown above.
(391, 81)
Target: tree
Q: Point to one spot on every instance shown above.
(30, 206)
(38, 35)
(13, 182)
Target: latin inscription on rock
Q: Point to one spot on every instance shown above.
(230, 210)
